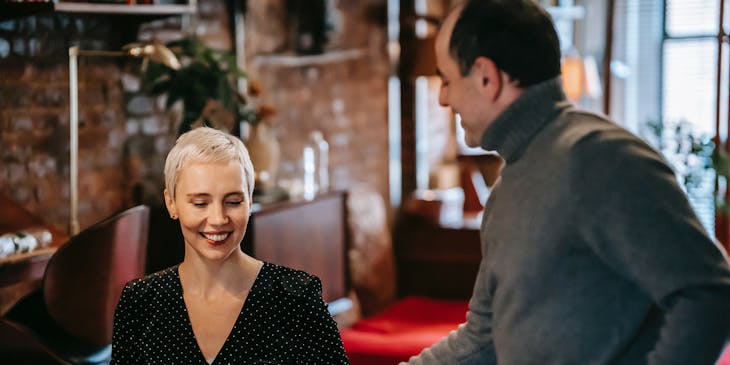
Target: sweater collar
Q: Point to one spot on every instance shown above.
(512, 130)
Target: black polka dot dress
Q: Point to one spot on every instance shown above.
(283, 321)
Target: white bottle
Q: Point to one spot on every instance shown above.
(309, 165)
(322, 152)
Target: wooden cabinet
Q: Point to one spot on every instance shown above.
(436, 261)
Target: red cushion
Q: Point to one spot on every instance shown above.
(402, 330)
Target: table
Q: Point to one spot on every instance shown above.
(21, 274)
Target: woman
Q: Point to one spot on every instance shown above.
(220, 306)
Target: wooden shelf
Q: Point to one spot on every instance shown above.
(294, 60)
(33, 255)
(11, 10)
(152, 9)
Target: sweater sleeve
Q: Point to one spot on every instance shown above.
(636, 218)
(471, 343)
(319, 339)
(125, 330)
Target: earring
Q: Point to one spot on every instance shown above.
(173, 216)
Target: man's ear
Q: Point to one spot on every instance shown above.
(170, 203)
(488, 76)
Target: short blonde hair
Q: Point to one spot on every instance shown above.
(206, 145)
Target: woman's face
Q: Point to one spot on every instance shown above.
(212, 204)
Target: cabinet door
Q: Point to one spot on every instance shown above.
(308, 236)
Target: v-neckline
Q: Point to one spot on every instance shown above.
(241, 314)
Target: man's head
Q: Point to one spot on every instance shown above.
(487, 51)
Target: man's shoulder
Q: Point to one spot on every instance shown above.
(603, 155)
(584, 126)
(595, 137)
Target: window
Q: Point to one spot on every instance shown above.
(665, 72)
(689, 81)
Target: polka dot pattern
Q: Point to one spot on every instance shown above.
(283, 321)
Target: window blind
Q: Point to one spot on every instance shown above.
(689, 79)
(664, 69)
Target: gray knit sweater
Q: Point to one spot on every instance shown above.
(591, 252)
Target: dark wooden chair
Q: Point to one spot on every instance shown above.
(69, 320)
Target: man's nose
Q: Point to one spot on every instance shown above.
(442, 97)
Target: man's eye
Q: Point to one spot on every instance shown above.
(237, 202)
(199, 204)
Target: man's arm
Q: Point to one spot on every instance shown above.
(471, 343)
(645, 229)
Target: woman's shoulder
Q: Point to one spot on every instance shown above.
(292, 281)
(162, 280)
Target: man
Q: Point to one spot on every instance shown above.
(591, 252)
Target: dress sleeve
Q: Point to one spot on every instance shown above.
(318, 339)
(125, 331)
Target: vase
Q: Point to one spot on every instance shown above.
(263, 147)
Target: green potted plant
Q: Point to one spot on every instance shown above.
(207, 85)
(690, 153)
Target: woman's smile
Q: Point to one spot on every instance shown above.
(215, 238)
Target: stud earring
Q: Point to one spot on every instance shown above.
(173, 216)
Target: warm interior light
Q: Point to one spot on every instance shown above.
(573, 76)
(580, 76)
(155, 52)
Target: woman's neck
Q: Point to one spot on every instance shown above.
(211, 279)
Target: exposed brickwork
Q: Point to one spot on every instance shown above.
(345, 99)
(124, 135)
(34, 122)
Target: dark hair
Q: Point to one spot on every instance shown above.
(517, 35)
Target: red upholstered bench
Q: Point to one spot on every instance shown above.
(402, 330)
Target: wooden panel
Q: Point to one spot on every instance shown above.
(306, 235)
(435, 261)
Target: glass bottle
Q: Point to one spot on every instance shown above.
(309, 165)
(322, 157)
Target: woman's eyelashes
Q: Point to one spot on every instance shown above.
(229, 203)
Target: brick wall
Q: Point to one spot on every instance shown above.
(343, 96)
(125, 135)
(34, 122)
